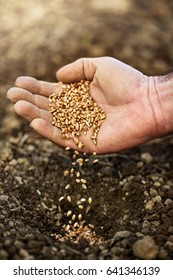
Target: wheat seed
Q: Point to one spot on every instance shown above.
(83, 181)
(80, 216)
(69, 213)
(67, 186)
(66, 172)
(74, 112)
(69, 198)
(73, 217)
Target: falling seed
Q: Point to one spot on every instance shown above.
(80, 160)
(78, 174)
(83, 199)
(69, 198)
(76, 152)
(77, 180)
(72, 170)
(69, 213)
(91, 226)
(67, 148)
(80, 216)
(76, 224)
(67, 227)
(87, 159)
(80, 206)
(67, 186)
(84, 186)
(96, 160)
(94, 153)
(73, 217)
(89, 200)
(74, 156)
(83, 181)
(61, 198)
(66, 172)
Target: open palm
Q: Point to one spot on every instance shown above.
(120, 90)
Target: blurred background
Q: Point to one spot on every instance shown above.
(38, 37)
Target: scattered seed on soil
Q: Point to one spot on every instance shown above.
(89, 200)
(61, 198)
(96, 160)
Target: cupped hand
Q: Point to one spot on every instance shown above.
(120, 90)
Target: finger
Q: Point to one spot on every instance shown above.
(28, 111)
(81, 69)
(35, 86)
(15, 94)
(52, 133)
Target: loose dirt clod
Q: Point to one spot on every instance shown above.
(75, 112)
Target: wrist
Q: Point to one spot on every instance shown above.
(161, 98)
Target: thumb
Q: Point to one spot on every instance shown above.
(81, 69)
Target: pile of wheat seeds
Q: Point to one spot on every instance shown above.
(74, 112)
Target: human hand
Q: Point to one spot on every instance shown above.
(120, 90)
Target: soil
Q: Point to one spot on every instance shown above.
(132, 191)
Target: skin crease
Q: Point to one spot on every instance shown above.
(134, 112)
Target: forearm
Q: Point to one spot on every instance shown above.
(163, 88)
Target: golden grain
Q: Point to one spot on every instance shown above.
(80, 216)
(66, 172)
(67, 186)
(84, 186)
(83, 181)
(69, 198)
(69, 213)
(73, 217)
(75, 112)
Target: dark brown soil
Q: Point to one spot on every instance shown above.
(132, 191)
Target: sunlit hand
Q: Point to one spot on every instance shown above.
(124, 93)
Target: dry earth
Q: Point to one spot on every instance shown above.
(133, 190)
